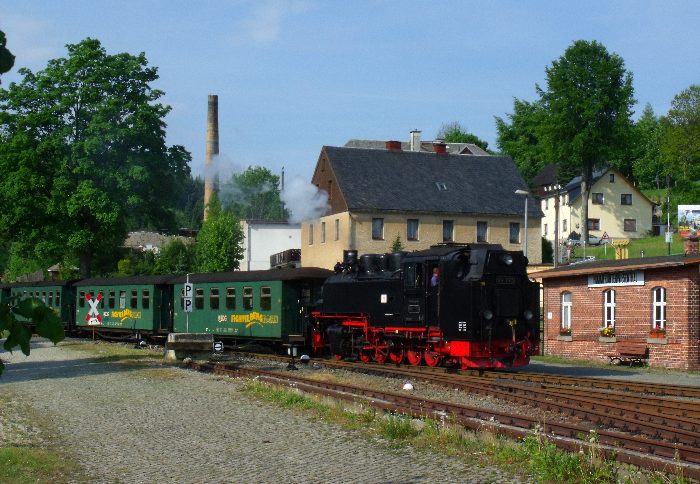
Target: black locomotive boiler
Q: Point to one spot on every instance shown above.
(467, 305)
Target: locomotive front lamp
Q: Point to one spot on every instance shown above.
(526, 194)
(507, 259)
(528, 314)
(487, 314)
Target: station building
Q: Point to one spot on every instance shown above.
(590, 308)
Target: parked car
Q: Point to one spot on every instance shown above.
(575, 240)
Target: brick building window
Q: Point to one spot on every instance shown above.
(412, 229)
(377, 229)
(566, 311)
(609, 308)
(659, 308)
(481, 231)
(597, 198)
(626, 199)
(630, 225)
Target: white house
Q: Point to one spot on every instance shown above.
(263, 239)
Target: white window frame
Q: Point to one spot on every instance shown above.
(658, 308)
(566, 307)
(609, 308)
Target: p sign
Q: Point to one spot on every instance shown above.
(188, 292)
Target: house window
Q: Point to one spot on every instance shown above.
(658, 319)
(545, 230)
(630, 225)
(566, 310)
(323, 232)
(626, 199)
(248, 298)
(612, 177)
(593, 224)
(377, 229)
(336, 229)
(265, 298)
(214, 298)
(564, 226)
(231, 298)
(145, 299)
(448, 230)
(481, 231)
(311, 234)
(609, 307)
(514, 232)
(412, 229)
(597, 198)
(199, 298)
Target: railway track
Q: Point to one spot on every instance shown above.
(657, 452)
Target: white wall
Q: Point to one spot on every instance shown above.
(262, 239)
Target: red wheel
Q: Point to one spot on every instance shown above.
(380, 355)
(432, 359)
(465, 363)
(364, 356)
(414, 357)
(396, 356)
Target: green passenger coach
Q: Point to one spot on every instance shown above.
(57, 295)
(267, 306)
(127, 306)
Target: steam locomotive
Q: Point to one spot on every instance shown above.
(479, 310)
(472, 306)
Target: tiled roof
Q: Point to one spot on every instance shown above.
(407, 181)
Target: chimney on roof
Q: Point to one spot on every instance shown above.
(439, 147)
(393, 145)
(415, 140)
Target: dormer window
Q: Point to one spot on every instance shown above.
(441, 186)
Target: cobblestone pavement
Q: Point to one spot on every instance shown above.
(135, 425)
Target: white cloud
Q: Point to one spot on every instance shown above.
(264, 24)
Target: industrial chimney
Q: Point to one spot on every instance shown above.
(212, 149)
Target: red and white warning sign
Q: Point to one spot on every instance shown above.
(93, 317)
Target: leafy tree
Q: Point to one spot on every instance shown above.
(524, 139)
(680, 137)
(189, 206)
(648, 169)
(219, 241)
(253, 194)
(83, 155)
(589, 97)
(137, 263)
(7, 60)
(455, 133)
(45, 322)
(397, 245)
(176, 257)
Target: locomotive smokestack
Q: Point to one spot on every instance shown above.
(212, 149)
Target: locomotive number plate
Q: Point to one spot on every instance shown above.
(505, 280)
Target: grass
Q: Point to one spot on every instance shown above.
(651, 246)
(535, 456)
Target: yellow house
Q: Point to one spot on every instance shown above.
(615, 208)
(420, 198)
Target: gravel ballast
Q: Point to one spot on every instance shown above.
(130, 423)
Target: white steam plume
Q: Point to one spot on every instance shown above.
(303, 200)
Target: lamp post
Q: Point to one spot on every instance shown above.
(526, 194)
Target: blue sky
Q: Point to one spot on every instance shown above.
(293, 76)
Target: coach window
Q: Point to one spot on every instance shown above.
(182, 298)
(145, 299)
(248, 298)
(609, 306)
(231, 298)
(199, 298)
(122, 299)
(110, 300)
(566, 310)
(659, 308)
(134, 298)
(265, 298)
(214, 298)
(81, 299)
(102, 299)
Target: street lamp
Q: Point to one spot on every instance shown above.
(526, 194)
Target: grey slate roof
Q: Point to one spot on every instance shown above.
(427, 146)
(381, 180)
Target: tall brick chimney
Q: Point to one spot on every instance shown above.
(212, 149)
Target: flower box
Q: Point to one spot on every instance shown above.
(607, 339)
(607, 332)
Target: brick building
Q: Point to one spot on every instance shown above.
(655, 300)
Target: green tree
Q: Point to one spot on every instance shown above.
(647, 166)
(680, 135)
(219, 241)
(397, 245)
(253, 194)
(589, 97)
(176, 257)
(7, 60)
(455, 133)
(83, 155)
(524, 139)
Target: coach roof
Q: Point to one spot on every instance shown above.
(386, 180)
